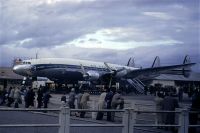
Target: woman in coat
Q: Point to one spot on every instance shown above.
(101, 105)
(17, 97)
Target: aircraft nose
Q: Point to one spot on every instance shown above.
(15, 69)
(23, 70)
(18, 69)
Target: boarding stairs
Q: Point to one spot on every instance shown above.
(137, 85)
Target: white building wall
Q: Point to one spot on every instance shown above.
(163, 82)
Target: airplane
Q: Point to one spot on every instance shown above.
(69, 70)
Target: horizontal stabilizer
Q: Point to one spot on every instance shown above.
(185, 71)
(154, 70)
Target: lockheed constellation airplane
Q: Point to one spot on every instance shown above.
(66, 70)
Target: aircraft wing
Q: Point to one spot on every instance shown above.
(156, 70)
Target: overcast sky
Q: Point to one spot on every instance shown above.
(100, 30)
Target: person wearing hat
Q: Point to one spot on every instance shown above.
(71, 99)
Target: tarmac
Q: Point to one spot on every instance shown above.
(141, 102)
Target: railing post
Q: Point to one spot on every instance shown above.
(186, 120)
(94, 107)
(132, 120)
(183, 121)
(125, 121)
(180, 122)
(64, 120)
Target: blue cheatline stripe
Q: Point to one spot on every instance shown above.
(64, 66)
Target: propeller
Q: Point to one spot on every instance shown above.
(113, 72)
(109, 68)
(85, 75)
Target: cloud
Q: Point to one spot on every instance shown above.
(64, 21)
(160, 15)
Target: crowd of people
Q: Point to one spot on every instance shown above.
(178, 91)
(13, 96)
(108, 99)
(166, 102)
(169, 101)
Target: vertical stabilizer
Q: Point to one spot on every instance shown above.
(156, 62)
(186, 70)
(186, 60)
(131, 62)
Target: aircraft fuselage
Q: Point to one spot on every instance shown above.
(65, 69)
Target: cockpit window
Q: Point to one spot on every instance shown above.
(19, 61)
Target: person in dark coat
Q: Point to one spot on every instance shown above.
(63, 99)
(108, 100)
(145, 90)
(158, 102)
(39, 97)
(46, 98)
(29, 98)
(3, 96)
(180, 94)
(169, 103)
(72, 99)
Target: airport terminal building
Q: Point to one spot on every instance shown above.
(9, 78)
(177, 80)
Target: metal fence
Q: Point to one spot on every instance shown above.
(128, 120)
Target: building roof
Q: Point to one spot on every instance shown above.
(7, 73)
(192, 77)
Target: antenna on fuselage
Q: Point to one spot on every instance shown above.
(36, 55)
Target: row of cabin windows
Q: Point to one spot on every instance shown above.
(26, 62)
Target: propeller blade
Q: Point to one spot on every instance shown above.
(110, 82)
(109, 68)
(83, 71)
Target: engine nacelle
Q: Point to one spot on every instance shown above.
(121, 73)
(92, 75)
